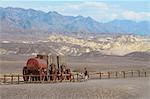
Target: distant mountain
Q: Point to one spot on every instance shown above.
(30, 22)
(93, 54)
(139, 54)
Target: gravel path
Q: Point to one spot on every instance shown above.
(130, 88)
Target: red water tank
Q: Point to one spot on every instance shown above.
(36, 63)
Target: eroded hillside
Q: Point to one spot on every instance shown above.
(67, 45)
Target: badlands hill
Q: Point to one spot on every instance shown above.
(73, 46)
(119, 45)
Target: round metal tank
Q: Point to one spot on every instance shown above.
(36, 63)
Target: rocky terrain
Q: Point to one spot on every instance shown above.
(119, 45)
(73, 46)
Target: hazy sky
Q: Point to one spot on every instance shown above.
(101, 11)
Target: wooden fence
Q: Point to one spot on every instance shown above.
(75, 77)
(120, 74)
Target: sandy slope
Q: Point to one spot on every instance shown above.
(130, 88)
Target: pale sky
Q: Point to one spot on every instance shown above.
(100, 10)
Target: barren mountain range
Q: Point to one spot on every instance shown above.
(19, 21)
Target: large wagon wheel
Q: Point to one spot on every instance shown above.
(26, 73)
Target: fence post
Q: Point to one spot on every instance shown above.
(100, 75)
(138, 72)
(11, 79)
(145, 73)
(30, 78)
(4, 78)
(132, 73)
(18, 79)
(116, 74)
(108, 74)
(124, 75)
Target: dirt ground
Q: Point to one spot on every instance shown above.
(14, 63)
(129, 88)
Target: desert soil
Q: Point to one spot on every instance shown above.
(14, 63)
(129, 88)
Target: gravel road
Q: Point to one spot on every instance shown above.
(129, 88)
